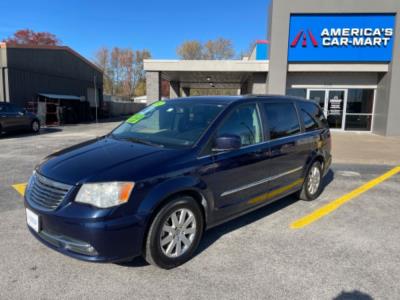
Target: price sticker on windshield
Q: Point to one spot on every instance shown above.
(139, 116)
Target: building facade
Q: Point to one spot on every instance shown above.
(31, 73)
(342, 54)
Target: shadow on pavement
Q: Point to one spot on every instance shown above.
(213, 234)
(21, 134)
(353, 295)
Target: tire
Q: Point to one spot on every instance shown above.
(312, 186)
(167, 256)
(35, 126)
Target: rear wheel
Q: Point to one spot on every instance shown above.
(175, 233)
(35, 126)
(312, 185)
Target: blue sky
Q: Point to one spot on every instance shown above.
(158, 25)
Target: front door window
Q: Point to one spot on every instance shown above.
(335, 108)
(332, 102)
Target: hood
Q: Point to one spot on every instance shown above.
(105, 159)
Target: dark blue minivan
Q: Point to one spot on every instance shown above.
(155, 183)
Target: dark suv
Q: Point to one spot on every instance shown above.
(13, 118)
(178, 167)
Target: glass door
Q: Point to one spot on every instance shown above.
(332, 101)
(335, 106)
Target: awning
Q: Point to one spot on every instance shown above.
(61, 97)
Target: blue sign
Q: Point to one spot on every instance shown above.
(341, 37)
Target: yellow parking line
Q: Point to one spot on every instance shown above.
(20, 188)
(332, 206)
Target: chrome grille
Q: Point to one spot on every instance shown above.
(46, 193)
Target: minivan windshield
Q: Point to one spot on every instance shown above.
(171, 123)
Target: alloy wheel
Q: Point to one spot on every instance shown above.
(35, 126)
(178, 233)
(314, 179)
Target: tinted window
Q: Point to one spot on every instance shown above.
(312, 116)
(282, 119)
(360, 101)
(243, 122)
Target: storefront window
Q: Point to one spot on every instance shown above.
(360, 104)
(360, 101)
(358, 122)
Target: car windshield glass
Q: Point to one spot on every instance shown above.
(169, 123)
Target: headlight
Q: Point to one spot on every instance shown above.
(105, 195)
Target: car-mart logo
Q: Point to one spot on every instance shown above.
(346, 37)
(303, 35)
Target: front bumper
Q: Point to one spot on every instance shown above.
(90, 239)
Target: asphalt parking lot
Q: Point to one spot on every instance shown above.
(351, 253)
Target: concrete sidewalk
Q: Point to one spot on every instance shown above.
(365, 148)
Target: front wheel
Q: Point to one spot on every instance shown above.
(175, 233)
(312, 186)
(35, 126)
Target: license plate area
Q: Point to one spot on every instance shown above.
(33, 220)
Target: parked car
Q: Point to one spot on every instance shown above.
(178, 167)
(13, 118)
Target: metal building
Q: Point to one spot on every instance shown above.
(55, 75)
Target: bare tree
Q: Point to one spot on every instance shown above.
(115, 70)
(102, 57)
(127, 77)
(218, 49)
(123, 70)
(138, 71)
(190, 50)
(213, 49)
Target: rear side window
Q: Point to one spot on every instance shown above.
(282, 119)
(312, 116)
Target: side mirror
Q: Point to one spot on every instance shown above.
(227, 142)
